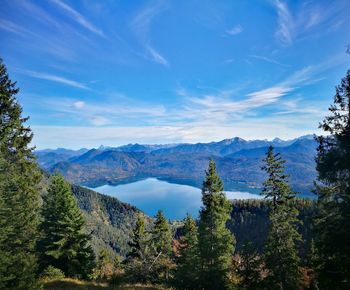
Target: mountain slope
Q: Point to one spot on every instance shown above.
(185, 163)
(47, 157)
(109, 220)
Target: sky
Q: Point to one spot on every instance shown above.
(118, 72)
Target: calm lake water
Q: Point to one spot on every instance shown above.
(152, 194)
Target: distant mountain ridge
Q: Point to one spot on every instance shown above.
(238, 161)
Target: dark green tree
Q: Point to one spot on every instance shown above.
(215, 241)
(333, 189)
(139, 240)
(19, 193)
(139, 259)
(250, 266)
(161, 244)
(187, 271)
(280, 256)
(64, 243)
(276, 187)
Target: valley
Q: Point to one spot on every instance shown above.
(238, 161)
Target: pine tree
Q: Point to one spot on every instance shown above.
(140, 257)
(215, 241)
(187, 272)
(161, 244)
(64, 244)
(276, 185)
(333, 189)
(19, 193)
(281, 257)
(139, 240)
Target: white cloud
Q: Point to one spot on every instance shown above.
(267, 59)
(15, 28)
(76, 16)
(141, 25)
(54, 78)
(224, 107)
(308, 19)
(77, 137)
(38, 13)
(79, 104)
(267, 96)
(99, 121)
(157, 57)
(285, 23)
(235, 30)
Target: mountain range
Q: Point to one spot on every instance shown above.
(238, 161)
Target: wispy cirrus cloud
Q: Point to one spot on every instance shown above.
(39, 13)
(306, 18)
(156, 56)
(79, 18)
(79, 104)
(268, 59)
(99, 121)
(285, 29)
(83, 136)
(237, 29)
(15, 28)
(141, 25)
(224, 107)
(55, 78)
(100, 114)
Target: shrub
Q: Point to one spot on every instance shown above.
(52, 273)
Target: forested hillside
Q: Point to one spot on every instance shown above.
(109, 221)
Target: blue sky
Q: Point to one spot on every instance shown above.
(116, 72)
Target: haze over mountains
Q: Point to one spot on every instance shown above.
(238, 162)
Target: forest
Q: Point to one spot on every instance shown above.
(57, 235)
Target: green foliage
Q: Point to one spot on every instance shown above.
(138, 260)
(19, 193)
(139, 240)
(275, 186)
(333, 189)
(161, 235)
(250, 222)
(187, 271)
(281, 257)
(161, 245)
(215, 241)
(64, 243)
(109, 220)
(249, 270)
(107, 268)
(52, 273)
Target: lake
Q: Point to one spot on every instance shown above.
(152, 194)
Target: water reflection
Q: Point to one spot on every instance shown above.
(152, 194)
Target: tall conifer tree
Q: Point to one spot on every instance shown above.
(187, 272)
(161, 244)
(64, 245)
(281, 257)
(139, 258)
(138, 243)
(215, 241)
(333, 189)
(19, 193)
